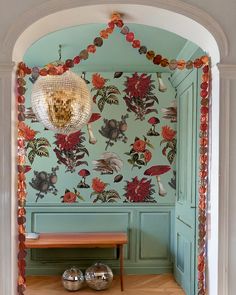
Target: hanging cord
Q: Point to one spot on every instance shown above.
(59, 51)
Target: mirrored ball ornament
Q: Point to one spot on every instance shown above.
(99, 276)
(62, 103)
(72, 279)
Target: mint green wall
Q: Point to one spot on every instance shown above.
(149, 225)
(150, 237)
(116, 54)
(69, 180)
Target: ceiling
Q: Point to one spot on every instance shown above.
(116, 54)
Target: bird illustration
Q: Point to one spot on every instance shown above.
(108, 163)
(170, 113)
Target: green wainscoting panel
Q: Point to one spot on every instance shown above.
(54, 255)
(79, 222)
(149, 228)
(154, 234)
(185, 256)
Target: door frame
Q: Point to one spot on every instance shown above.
(28, 28)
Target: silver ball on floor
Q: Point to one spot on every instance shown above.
(99, 276)
(72, 279)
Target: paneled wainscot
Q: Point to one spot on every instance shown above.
(149, 228)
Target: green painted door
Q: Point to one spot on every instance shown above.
(185, 214)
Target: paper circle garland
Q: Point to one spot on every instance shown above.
(62, 103)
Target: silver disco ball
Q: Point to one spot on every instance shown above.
(72, 279)
(62, 103)
(99, 276)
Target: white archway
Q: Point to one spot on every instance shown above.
(192, 24)
(189, 22)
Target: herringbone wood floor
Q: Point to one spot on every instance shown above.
(133, 284)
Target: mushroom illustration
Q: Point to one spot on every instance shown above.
(158, 170)
(94, 117)
(83, 173)
(162, 87)
(153, 121)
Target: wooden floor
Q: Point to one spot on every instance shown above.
(133, 284)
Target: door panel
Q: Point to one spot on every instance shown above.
(185, 212)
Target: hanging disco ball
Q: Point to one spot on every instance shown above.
(99, 276)
(62, 103)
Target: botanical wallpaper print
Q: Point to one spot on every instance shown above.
(172, 182)
(170, 113)
(104, 93)
(139, 190)
(35, 146)
(157, 171)
(70, 150)
(44, 182)
(139, 95)
(153, 121)
(139, 155)
(102, 195)
(108, 163)
(169, 141)
(84, 173)
(114, 130)
(71, 196)
(125, 154)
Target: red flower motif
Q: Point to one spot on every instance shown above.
(138, 86)
(68, 142)
(139, 145)
(138, 190)
(26, 132)
(98, 185)
(168, 133)
(98, 81)
(147, 156)
(69, 197)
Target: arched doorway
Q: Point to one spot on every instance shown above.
(38, 24)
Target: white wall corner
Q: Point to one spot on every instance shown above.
(6, 68)
(8, 261)
(227, 71)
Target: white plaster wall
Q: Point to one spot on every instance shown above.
(232, 190)
(224, 12)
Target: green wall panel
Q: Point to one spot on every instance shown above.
(71, 255)
(154, 235)
(79, 222)
(145, 226)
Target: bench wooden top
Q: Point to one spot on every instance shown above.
(78, 240)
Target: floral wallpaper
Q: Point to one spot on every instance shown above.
(126, 154)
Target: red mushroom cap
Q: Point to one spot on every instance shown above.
(84, 172)
(153, 120)
(94, 117)
(157, 170)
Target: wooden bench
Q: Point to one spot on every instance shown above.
(84, 240)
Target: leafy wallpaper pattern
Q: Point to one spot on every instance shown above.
(126, 155)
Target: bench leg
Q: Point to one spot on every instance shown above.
(121, 254)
